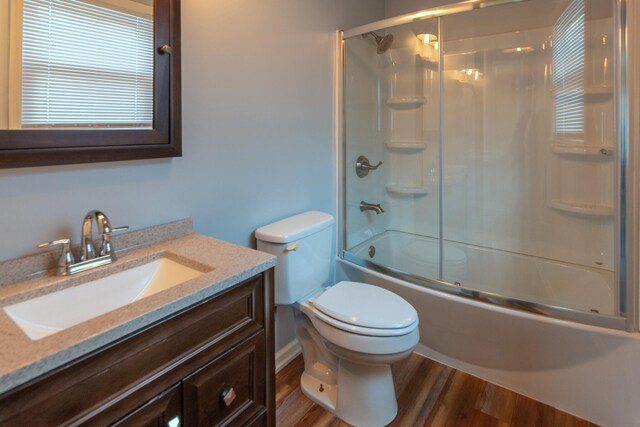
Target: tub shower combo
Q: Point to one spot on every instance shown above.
(486, 178)
(482, 154)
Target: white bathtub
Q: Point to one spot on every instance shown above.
(507, 274)
(588, 371)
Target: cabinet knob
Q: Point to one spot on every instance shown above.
(229, 395)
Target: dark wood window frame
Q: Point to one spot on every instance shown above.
(24, 148)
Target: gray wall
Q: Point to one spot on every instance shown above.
(258, 119)
(258, 132)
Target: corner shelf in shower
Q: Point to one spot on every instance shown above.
(406, 190)
(592, 95)
(596, 211)
(406, 101)
(582, 151)
(406, 145)
(598, 94)
(429, 63)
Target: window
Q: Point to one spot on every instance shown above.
(94, 68)
(568, 61)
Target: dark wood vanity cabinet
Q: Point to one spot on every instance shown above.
(163, 410)
(211, 364)
(237, 376)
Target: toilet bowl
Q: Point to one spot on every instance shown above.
(363, 392)
(350, 333)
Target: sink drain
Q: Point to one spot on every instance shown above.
(372, 251)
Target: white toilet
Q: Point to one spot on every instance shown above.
(350, 333)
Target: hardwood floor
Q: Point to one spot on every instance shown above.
(429, 394)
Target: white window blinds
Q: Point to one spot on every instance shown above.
(84, 65)
(568, 71)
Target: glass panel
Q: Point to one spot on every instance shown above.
(499, 171)
(391, 116)
(528, 153)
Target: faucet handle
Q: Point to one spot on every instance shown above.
(66, 256)
(363, 166)
(55, 243)
(106, 248)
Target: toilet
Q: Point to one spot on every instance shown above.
(350, 333)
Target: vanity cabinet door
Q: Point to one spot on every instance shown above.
(161, 411)
(230, 389)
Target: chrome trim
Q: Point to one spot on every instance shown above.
(450, 9)
(628, 203)
(622, 147)
(440, 151)
(562, 313)
(632, 26)
(342, 167)
(90, 264)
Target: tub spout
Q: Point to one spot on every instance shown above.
(364, 206)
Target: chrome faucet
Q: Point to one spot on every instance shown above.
(87, 248)
(88, 257)
(364, 206)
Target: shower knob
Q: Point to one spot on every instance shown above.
(363, 166)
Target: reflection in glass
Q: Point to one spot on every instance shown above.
(568, 72)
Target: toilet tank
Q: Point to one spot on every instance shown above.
(303, 246)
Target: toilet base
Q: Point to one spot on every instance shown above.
(364, 395)
(311, 387)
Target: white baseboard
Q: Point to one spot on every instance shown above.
(423, 351)
(287, 353)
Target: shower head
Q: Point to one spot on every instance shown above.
(384, 43)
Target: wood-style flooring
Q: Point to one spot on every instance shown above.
(429, 394)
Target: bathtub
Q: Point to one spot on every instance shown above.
(521, 277)
(589, 371)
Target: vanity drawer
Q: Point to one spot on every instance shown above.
(102, 388)
(163, 410)
(230, 389)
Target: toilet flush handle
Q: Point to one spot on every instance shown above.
(292, 247)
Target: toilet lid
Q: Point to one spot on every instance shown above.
(366, 305)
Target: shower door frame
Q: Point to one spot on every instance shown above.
(627, 231)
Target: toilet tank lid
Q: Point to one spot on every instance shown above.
(295, 227)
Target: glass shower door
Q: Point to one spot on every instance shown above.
(391, 110)
(529, 153)
(481, 154)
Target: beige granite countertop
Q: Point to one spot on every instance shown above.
(224, 264)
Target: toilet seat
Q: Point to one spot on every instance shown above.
(338, 334)
(364, 308)
(361, 330)
(378, 313)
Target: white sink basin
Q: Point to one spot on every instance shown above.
(48, 314)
